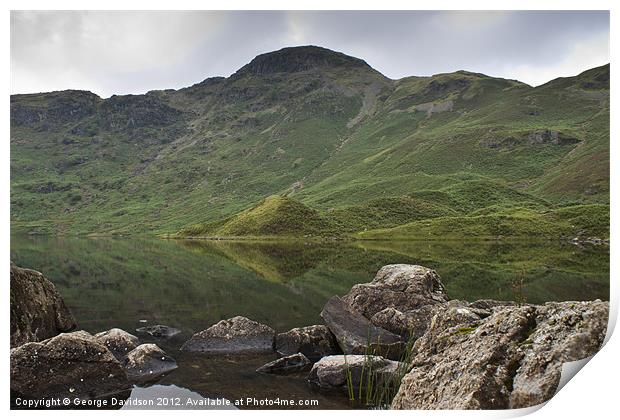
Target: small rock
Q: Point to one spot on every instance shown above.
(118, 341)
(159, 331)
(288, 364)
(332, 371)
(148, 362)
(234, 335)
(315, 342)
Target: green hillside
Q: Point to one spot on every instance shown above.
(358, 150)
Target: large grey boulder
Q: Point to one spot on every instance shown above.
(234, 335)
(356, 335)
(509, 359)
(73, 365)
(332, 371)
(118, 341)
(314, 341)
(564, 332)
(38, 311)
(400, 286)
(288, 364)
(464, 363)
(148, 362)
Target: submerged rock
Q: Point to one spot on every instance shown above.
(356, 335)
(314, 342)
(234, 335)
(73, 365)
(403, 287)
(332, 371)
(148, 362)
(159, 331)
(38, 311)
(288, 364)
(118, 341)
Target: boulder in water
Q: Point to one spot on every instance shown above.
(233, 336)
(38, 311)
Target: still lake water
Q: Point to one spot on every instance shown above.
(193, 284)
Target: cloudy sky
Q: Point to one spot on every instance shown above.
(134, 52)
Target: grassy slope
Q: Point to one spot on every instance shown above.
(279, 216)
(577, 221)
(158, 162)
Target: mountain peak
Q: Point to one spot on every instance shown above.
(299, 59)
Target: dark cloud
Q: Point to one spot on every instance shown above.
(133, 52)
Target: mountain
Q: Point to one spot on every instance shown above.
(356, 150)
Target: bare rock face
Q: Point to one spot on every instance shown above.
(288, 364)
(148, 362)
(73, 365)
(463, 363)
(38, 311)
(118, 341)
(403, 287)
(332, 371)
(315, 342)
(414, 323)
(159, 331)
(565, 332)
(510, 359)
(355, 333)
(409, 324)
(234, 335)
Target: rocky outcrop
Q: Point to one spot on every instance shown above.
(73, 365)
(38, 311)
(298, 59)
(288, 364)
(315, 342)
(397, 305)
(355, 334)
(434, 107)
(332, 371)
(564, 332)
(551, 137)
(234, 335)
(118, 341)
(400, 286)
(510, 359)
(148, 362)
(159, 331)
(61, 107)
(460, 364)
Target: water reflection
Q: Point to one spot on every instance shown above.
(190, 285)
(172, 397)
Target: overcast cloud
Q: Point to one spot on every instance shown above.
(134, 52)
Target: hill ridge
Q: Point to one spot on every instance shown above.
(336, 136)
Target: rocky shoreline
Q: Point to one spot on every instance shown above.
(399, 336)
